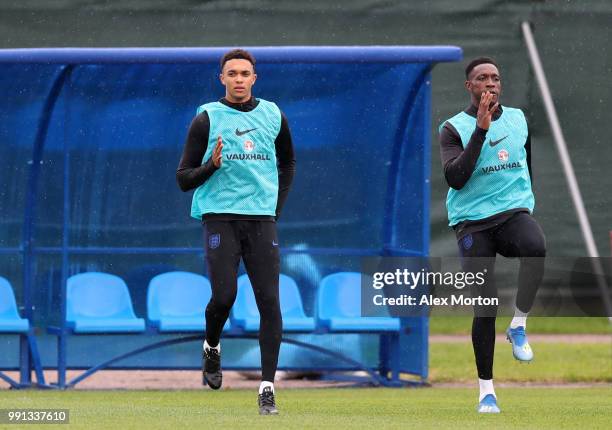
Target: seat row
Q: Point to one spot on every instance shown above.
(100, 303)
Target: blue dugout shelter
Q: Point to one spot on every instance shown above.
(90, 141)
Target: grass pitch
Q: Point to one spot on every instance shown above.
(542, 325)
(379, 408)
(556, 407)
(553, 363)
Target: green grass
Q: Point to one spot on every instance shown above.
(439, 408)
(545, 325)
(567, 362)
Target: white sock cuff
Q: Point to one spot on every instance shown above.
(520, 318)
(205, 346)
(265, 384)
(486, 387)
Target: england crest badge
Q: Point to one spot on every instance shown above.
(214, 240)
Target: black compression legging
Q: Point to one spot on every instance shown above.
(257, 243)
(520, 236)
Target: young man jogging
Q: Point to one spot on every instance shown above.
(486, 154)
(239, 158)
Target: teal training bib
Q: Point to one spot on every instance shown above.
(500, 180)
(247, 182)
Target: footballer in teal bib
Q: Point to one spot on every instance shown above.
(500, 180)
(247, 181)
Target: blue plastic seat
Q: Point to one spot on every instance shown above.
(246, 315)
(100, 303)
(339, 306)
(10, 321)
(176, 302)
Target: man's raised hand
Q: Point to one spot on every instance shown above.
(217, 155)
(485, 110)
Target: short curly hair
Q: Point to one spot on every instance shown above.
(237, 54)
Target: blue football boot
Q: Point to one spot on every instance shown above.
(520, 346)
(488, 405)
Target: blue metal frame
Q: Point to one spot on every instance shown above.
(265, 54)
(28, 355)
(11, 250)
(368, 252)
(30, 216)
(390, 199)
(390, 351)
(375, 378)
(70, 57)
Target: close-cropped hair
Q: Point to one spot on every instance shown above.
(477, 62)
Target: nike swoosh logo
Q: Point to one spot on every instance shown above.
(240, 133)
(495, 142)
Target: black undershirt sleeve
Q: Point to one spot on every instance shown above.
(459, 163)
(191, 173)
(285, 159)
(528, 150)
